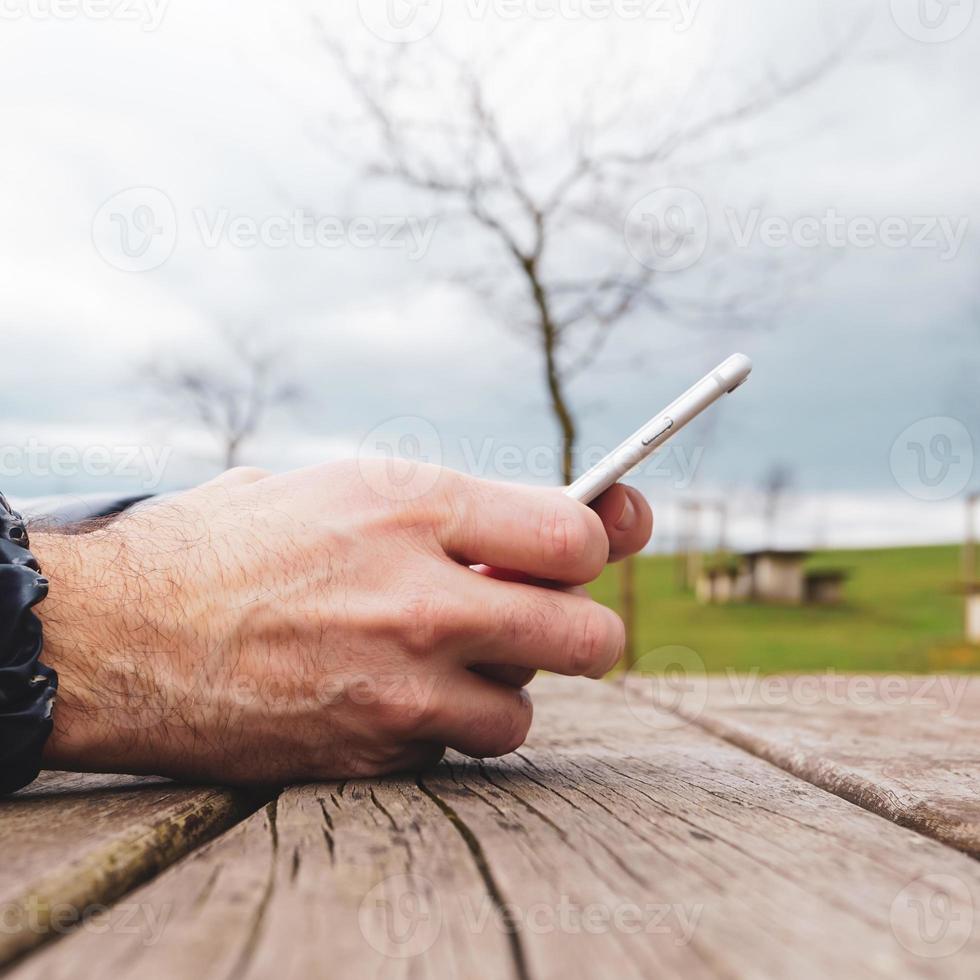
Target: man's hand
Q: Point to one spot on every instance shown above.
(325, 623)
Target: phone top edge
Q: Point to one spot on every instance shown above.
(724, 379)
(733, 372)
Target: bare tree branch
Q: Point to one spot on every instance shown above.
(470, 160)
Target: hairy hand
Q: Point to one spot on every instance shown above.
(324, 623)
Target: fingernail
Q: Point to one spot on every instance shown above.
(627, 520)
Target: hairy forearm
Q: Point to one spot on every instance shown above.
(108, 713)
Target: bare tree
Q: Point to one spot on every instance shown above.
(530, 213)
(531, 210)
(231, 396)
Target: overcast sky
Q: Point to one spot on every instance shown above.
(231, 109)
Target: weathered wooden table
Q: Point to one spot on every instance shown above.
(747, 827)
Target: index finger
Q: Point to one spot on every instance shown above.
(537, 531)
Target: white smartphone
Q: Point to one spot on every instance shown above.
(725, 378)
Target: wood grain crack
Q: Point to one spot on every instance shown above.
(252, 940)
(328, 837)
(380, 806)
(473, 845)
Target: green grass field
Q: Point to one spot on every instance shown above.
(901, 614)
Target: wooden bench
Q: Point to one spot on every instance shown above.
(738, 827)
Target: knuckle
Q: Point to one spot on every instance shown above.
(239, 476)
(406, 713)
(343, 473)
(421, 626)
(400, 480)
(523, 723)
(564, 535)
(245, 474)
(426, 620)
(506, 731)
(517, 621)
(421, 518)
(458, 507)
(599, 642)
(514, 732)
(414, 525)
(572, 537)
(619, 642)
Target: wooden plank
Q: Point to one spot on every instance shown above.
(905, 747)
(73, 843)
(607, 845)
(302, 869)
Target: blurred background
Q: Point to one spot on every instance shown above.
(500, 235)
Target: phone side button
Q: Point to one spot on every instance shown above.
(663, 430)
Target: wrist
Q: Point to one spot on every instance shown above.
(99, 718)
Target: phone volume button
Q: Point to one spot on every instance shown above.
(663, 430)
